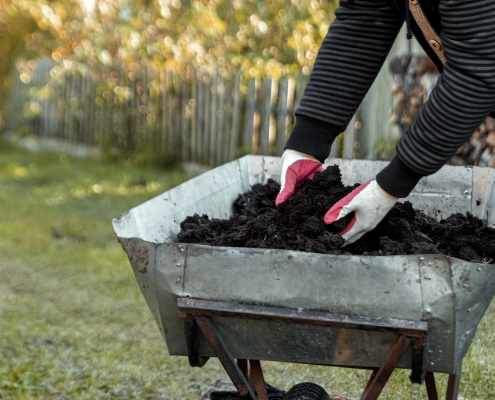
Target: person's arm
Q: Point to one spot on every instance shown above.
(348, 62)
(461, 100)
(463, 97)
(349, 59)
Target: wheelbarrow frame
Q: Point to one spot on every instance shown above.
(198, 314)
(449, 294)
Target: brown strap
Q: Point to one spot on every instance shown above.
(430, 34)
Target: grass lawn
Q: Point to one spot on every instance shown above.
(73, 323)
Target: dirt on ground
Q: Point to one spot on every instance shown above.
(298, 225)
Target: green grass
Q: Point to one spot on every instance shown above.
(73, 324)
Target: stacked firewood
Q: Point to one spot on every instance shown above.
(416, 76)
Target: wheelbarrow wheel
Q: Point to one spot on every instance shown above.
(306, 391)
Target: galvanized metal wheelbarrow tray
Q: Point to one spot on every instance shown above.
(379, 313)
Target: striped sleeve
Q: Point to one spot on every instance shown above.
(349, 59)
(465, 92)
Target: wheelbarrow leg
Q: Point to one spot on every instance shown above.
(259, 380)
(243, 366)
(378, 380)
(195, 360)
(453, 385)
(431, 387)
(218, 345)
(372, 376)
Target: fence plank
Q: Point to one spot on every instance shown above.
(170, 108)
(207, 118)
(213, 119)
(200, 108)
(266, 113)
(349, 136)
(163, 105)
(185, 126)
(249, 116)
(227, 119)
(282, 112)
(301, 81)
(61, 109)
(220, 114)
(194, 119)
(177, 110)
(236, 112)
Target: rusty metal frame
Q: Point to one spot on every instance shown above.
(453, 385)
(251, 385)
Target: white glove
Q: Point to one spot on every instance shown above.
(295, 168)
(370, 204)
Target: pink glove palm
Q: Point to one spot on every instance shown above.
(295, 168)
(370, 204)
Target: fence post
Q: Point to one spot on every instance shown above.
(185, 136)
(163, 98)
(213, 118)
(234, 133)
(250, 111)
(349, 137)
(221, 121)
(282, 116)
(265, 118)
(194, 112)
(200, 108)
(227, 119)
(207, 118)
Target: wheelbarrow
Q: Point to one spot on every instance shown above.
(243, 305)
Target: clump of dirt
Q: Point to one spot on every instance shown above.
(298, 224)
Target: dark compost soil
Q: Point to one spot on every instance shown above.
(298, 225)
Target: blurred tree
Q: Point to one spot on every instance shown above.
(273, 38)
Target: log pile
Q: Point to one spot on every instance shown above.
(416, 76)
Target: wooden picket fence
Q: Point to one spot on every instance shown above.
(201, 117)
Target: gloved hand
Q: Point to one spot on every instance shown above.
(370, 204)
(295, 168)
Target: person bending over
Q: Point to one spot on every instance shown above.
(348, 61)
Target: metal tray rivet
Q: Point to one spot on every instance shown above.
(469, 169)
(465, 285)
(430, 264)
(421, 258)
(466, 192)
(178, 280)
(428, 310)
(178, 265)
(427, 278)
(478, 269)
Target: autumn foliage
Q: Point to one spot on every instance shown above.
(260, 38)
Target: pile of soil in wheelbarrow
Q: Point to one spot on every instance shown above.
(298, 224)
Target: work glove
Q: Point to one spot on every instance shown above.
(295, 168)
(370, 204)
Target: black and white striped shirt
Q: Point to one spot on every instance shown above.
(350, 58)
